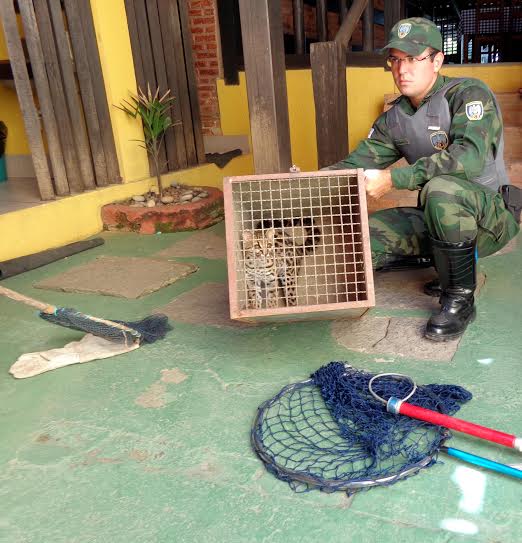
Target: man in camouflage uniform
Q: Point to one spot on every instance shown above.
(450, 131)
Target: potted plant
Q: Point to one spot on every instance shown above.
(179, 207)
(153, 110)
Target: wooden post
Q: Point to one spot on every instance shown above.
(321, 19)
(87, 92)
(350, 22)
(299, 29)
(44, 96)
(171, 32)
(58, 95)
(394, 11)
(263, 50)
(161, 77)
(186, 34)
(328, 62)
(100, 94)
(368, 27)
(71, 92)
(343, 11)
(25, 97)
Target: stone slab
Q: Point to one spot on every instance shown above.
(206, 304)
(404, 289)
(125, 277)
(395, 336)
(201, 244)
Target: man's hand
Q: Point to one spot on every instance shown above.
(378, 182)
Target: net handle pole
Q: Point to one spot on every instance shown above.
(483, 462)
(42, 306)
(396, 406)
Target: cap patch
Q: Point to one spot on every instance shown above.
(474, 110)
(439, 140)
(404, 30)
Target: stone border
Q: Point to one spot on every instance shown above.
(165, 218)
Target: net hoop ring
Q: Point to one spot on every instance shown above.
(294, 477)
(399, 377)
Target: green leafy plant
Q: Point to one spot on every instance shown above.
(153, 110)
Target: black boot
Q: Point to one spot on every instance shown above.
(433, 288)
(405, 262)
(456, 265)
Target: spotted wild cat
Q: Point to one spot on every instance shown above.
(273, 254)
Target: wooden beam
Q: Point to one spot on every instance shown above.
(368, 27)
(149, 72)
(343, 11)
(61, 111)
(263, 51)
(80, 139)
(328, 62)
(26, 100)
(172, 162)
(299, 29)
(321, 19)
(100, 94)
(394, 11)
(44, 96)
(169, 18)
(191, 80)
(344, 33)
(87, 92)
(171, 25)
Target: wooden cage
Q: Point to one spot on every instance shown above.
(298, 246)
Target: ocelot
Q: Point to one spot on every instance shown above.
(273, 254)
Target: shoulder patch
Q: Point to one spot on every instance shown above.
(474, 110)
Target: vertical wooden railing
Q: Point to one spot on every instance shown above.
(162, 52)
(25, 96)
(70, 94)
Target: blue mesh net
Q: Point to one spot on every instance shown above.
(147, 330)
(330, 433)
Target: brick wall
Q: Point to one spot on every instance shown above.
(204, 26)
(205, 36)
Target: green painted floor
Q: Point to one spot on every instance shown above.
(85, 455)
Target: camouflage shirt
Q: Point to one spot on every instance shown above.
(469, 139)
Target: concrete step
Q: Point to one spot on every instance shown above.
(511, 107)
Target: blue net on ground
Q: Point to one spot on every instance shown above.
(330, 433)
(147, 330)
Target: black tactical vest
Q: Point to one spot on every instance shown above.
(426, 132)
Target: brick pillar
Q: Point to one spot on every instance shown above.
(204, 26)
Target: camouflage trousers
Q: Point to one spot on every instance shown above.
(450, 209)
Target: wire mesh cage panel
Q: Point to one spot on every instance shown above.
(298, 245)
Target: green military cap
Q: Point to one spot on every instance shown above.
(414, 35)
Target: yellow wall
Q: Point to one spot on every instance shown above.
(57, 223)
(366, 89)
(110, 21)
